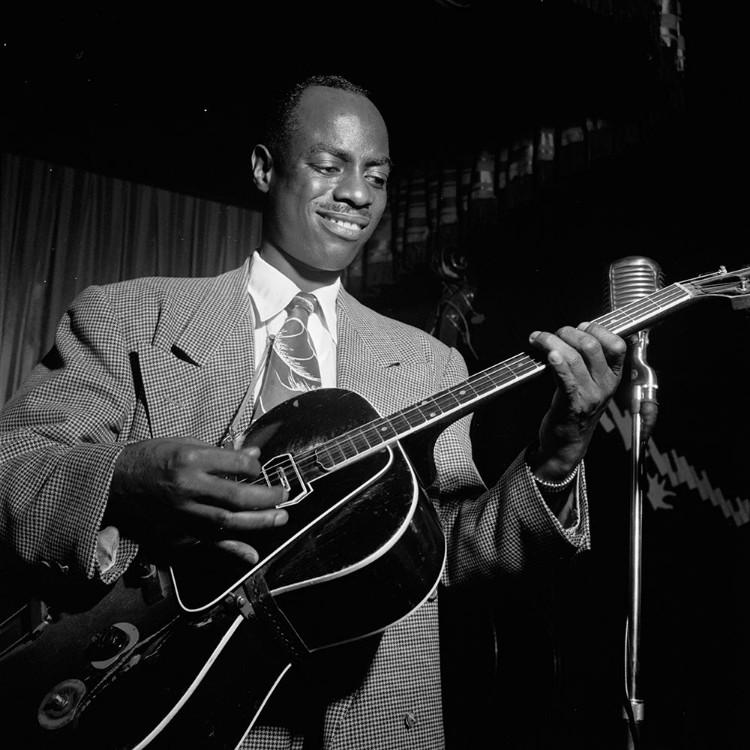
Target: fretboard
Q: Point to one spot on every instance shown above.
(461, 399)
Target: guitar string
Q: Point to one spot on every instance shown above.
(487, 381)
(482, 383)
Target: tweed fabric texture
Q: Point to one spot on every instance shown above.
(168, 357)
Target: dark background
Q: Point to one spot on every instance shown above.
(175, 100)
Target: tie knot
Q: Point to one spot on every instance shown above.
(304, 300)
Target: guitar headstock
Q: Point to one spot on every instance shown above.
(723, 283)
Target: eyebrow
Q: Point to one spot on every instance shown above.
(328, 148)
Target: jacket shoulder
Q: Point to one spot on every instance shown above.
(168, 304)
(403, 336)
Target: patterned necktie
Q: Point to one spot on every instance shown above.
(292, 366)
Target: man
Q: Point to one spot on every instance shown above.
(93, 455)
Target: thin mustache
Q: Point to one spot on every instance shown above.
(344, 210)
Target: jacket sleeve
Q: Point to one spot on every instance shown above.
(60, 436)
(507, 529)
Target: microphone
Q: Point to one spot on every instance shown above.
(630, 279)
(633, 278)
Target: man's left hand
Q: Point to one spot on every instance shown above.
(587, 364)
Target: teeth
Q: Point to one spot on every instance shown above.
(345, 224)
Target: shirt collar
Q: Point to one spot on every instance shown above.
(271, 292)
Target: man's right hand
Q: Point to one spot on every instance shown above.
(189, 488)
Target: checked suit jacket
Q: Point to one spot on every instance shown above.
(161, 357)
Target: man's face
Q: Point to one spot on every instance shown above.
(328, 193)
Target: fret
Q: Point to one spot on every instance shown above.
(430, 409)
(509, 372)
(524, 365)
(372, 435)
(499, 375)
(645, 309)
(328, 455)
(359, 441)
(462, 398)
(636, 312)
(387, 427)
(447, 401)
(483, 383)
(466, 393)
(348, 447)
(413, 417)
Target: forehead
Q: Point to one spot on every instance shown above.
(344, 121)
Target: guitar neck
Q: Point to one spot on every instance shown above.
(637, 315)
(459, 400)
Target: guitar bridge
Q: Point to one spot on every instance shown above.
(282, 471)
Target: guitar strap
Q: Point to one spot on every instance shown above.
(265, 608)
(235, 437)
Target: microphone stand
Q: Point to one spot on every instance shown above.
(643, 386)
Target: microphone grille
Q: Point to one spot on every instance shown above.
(631, 279)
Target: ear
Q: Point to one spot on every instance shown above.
(262, 162)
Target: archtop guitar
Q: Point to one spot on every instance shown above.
(189, 655)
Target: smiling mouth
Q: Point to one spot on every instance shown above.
(345, 224)
(342, 227)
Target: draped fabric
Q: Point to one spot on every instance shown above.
(62, 229)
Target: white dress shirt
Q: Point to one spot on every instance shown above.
(270, 292)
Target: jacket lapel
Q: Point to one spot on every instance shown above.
(197, 370)
(391, 374)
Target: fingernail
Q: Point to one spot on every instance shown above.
(583, 326)
(534, 335)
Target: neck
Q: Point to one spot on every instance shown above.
(306, 277)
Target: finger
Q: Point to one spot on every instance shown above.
(236, 496)
(594, 352)
(562, 350)
(254, 520)
(588, 353)
(216, 522)
(239, 550)
(613, 346)
(608, 364)
(241, 463)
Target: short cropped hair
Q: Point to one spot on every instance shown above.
(282, 120)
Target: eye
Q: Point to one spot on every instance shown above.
(378, 179)
(328, 169)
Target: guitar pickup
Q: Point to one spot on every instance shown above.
(282, 471)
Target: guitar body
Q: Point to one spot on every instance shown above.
(362, 549)
(189, 658)
(357, 531)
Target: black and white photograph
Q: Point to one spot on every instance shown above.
(374, 377)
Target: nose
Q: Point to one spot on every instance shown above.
(354, 189)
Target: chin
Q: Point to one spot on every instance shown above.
(336, 260)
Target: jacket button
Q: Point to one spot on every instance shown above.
(55, 566)
(410, 720)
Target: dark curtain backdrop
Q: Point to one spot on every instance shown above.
(62, 229)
